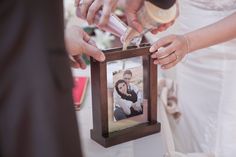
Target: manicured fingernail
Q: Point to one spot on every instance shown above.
(152, 49)
(153, 56)
(155, 62)
(102, 57)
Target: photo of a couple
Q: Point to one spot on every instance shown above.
(127, 94)
(127, 106)
(127, 98)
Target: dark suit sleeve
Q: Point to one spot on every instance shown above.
(37, 116)
(164, 4)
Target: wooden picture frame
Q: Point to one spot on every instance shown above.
(100, 132)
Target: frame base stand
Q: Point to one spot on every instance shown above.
(126, 135)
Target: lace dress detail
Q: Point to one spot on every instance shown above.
(218, 5)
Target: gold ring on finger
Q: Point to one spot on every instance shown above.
(177, 57)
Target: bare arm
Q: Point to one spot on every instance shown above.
(179, 45)
(213, 34)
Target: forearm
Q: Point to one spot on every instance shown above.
(216, 33)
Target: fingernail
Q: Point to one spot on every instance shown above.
(153, 55)
(163, 67)
(102, 57)
(152, 49)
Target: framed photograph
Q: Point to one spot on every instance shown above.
(124, 96)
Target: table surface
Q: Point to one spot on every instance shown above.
(149, 146)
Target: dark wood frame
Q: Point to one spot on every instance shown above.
(100, 132)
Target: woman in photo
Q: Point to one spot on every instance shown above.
(125, 101)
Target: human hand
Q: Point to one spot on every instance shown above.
(87, 9)
(165, 26)
(131, 13)
(169, 50)
(78, 42)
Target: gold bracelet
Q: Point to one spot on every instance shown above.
(187, 44)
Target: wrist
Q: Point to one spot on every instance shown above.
(187, 43)
(190, 42)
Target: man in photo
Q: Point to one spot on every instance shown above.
(127, 98)
(127, 76)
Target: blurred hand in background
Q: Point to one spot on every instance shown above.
(87, 9)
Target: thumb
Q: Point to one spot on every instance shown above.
(162, 42)
(90, 48)
(92, 51)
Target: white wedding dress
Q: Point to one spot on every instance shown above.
(207, 85)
